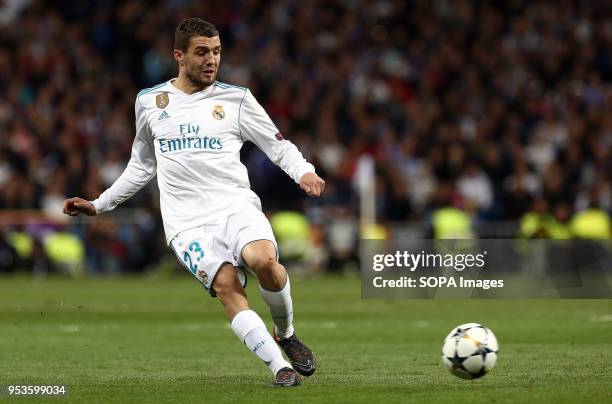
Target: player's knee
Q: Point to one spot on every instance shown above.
(265, 263)
(271, 275)
(226, 284)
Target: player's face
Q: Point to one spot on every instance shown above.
(201, 61)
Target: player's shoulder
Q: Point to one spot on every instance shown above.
(222, 86)
(147, 97)
(228, 92)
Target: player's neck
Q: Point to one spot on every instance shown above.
(187, 86)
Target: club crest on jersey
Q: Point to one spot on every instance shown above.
(218, 113)
(203, 276)
(162, 100)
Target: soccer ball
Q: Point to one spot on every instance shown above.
(470, 351)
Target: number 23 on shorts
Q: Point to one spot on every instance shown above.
(192, 256)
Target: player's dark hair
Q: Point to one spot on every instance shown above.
(192, 27)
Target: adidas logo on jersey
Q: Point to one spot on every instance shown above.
(163, 115)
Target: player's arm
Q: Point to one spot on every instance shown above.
(256, 126)
(139, 171)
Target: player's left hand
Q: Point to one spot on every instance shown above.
(312, 184)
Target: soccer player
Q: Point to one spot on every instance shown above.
(189, 131)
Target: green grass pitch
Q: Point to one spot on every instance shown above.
(164, 340)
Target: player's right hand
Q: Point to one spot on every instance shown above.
(74, 206)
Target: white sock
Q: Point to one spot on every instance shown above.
(281, 309)
(251, 330)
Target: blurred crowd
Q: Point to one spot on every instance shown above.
(497, 109)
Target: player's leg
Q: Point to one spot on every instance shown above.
(261, 257)
(274, 286)
(249, 327)
(230, 292)
(202, 253)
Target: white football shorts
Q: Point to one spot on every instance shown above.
(204, 249)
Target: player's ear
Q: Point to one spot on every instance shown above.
(178, 56)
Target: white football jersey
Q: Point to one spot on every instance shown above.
(192, 142)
